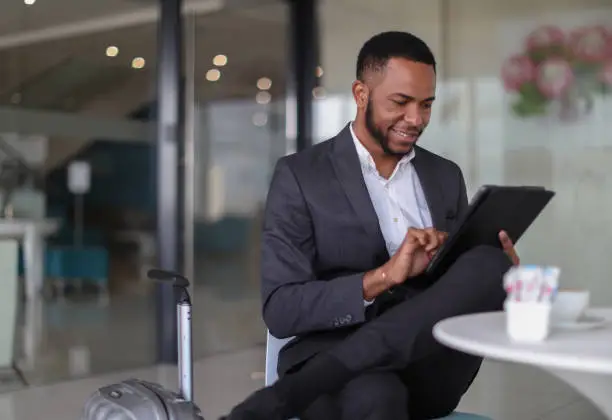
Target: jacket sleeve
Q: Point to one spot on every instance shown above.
(295, 302)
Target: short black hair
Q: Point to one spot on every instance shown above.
(379, 49)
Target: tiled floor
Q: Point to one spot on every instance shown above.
(501, 391)
(76, 337)
(220, 381)
(511, 392)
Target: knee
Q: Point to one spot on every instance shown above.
(379, 399)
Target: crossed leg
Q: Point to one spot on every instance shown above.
(398, 339)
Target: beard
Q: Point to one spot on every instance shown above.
(377, 134)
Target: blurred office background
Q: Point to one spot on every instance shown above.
(78, 83)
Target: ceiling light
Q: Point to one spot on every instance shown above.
(264, 83)
(213, 75)
(112, 51)
(29, 2)
(260, 119)
(138, 63)
(318, 92)
(263, 97)
(319, 71)
(220, 60)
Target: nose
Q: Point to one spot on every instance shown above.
(413, 115)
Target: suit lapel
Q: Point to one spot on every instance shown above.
(431, 188)
(347, 167)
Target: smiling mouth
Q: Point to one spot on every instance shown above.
(405, 134)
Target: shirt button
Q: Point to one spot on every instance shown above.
(395, 220)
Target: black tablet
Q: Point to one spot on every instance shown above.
(493, 208)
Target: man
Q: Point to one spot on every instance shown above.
(350, 225)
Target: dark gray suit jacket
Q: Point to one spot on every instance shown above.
(321, 234)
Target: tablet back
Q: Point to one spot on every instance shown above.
(494, 208)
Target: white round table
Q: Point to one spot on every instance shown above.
(583, 359)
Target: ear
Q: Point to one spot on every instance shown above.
(361, 94)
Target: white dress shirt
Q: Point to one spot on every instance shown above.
(399, 201)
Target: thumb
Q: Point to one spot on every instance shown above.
(505, 240)
(508, 247)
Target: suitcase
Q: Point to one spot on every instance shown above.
(135, 399)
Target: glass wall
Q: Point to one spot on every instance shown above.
(77, 80)
(500, 119)
(239, 69)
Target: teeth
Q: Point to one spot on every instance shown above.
(402, 133)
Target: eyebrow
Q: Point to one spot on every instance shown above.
(412, 98)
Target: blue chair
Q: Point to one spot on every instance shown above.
(68, 264)
(273, 346)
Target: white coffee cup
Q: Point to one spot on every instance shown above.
(569, 305)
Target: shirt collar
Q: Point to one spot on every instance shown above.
(365, 158)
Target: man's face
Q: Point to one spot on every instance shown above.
(398, 107)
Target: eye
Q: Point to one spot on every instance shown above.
(427, 105)
(398, 102)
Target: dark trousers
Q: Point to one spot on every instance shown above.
(402, 372)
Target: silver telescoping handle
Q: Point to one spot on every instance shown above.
(183, 319)
(185, 350)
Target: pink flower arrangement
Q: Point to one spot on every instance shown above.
(519, 69)
(592, 44)
(554, 77)
(559, 67)
(545, 37)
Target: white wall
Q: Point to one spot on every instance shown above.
(472, 123)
